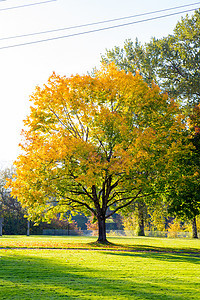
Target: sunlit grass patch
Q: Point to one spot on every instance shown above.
(116, 243)
(82, 274)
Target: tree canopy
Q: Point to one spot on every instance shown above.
(95, 144)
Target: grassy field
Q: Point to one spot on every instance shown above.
(74, 268)
(117, 243)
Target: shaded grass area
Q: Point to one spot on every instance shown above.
(81, 274)
(116, 243)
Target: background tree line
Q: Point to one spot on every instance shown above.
(14, 216)
(153, 219)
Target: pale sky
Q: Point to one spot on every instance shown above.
(24, 67)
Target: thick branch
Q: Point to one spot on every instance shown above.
(124, 205)
(102, 145)
(95, 198)
(84, 189)
(115, 194)
(119, 200)
(114, 185)
(83, 204)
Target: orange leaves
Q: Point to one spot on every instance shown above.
(83, 130)
(194, 120)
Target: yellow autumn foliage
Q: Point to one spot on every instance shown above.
(94, 143)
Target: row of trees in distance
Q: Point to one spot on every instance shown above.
(155, 220)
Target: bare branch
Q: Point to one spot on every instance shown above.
(57, 117)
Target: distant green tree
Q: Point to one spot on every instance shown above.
(133, 58)
(13, 214)
(172, 62)
(178, 59)
(184, 198)
(137, 219)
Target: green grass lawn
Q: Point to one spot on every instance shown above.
(140, 268)
(117, 243)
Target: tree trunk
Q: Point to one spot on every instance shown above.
(102, 230)
(194, 229)
(28, 228)
(140, 227)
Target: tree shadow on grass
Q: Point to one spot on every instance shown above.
(29, 277)
(192, 258)
(148, 248)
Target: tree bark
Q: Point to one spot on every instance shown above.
(194, 229)
(140, 227)
(28, 228)
(101, 230)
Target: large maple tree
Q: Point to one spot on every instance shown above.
(95, 144)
